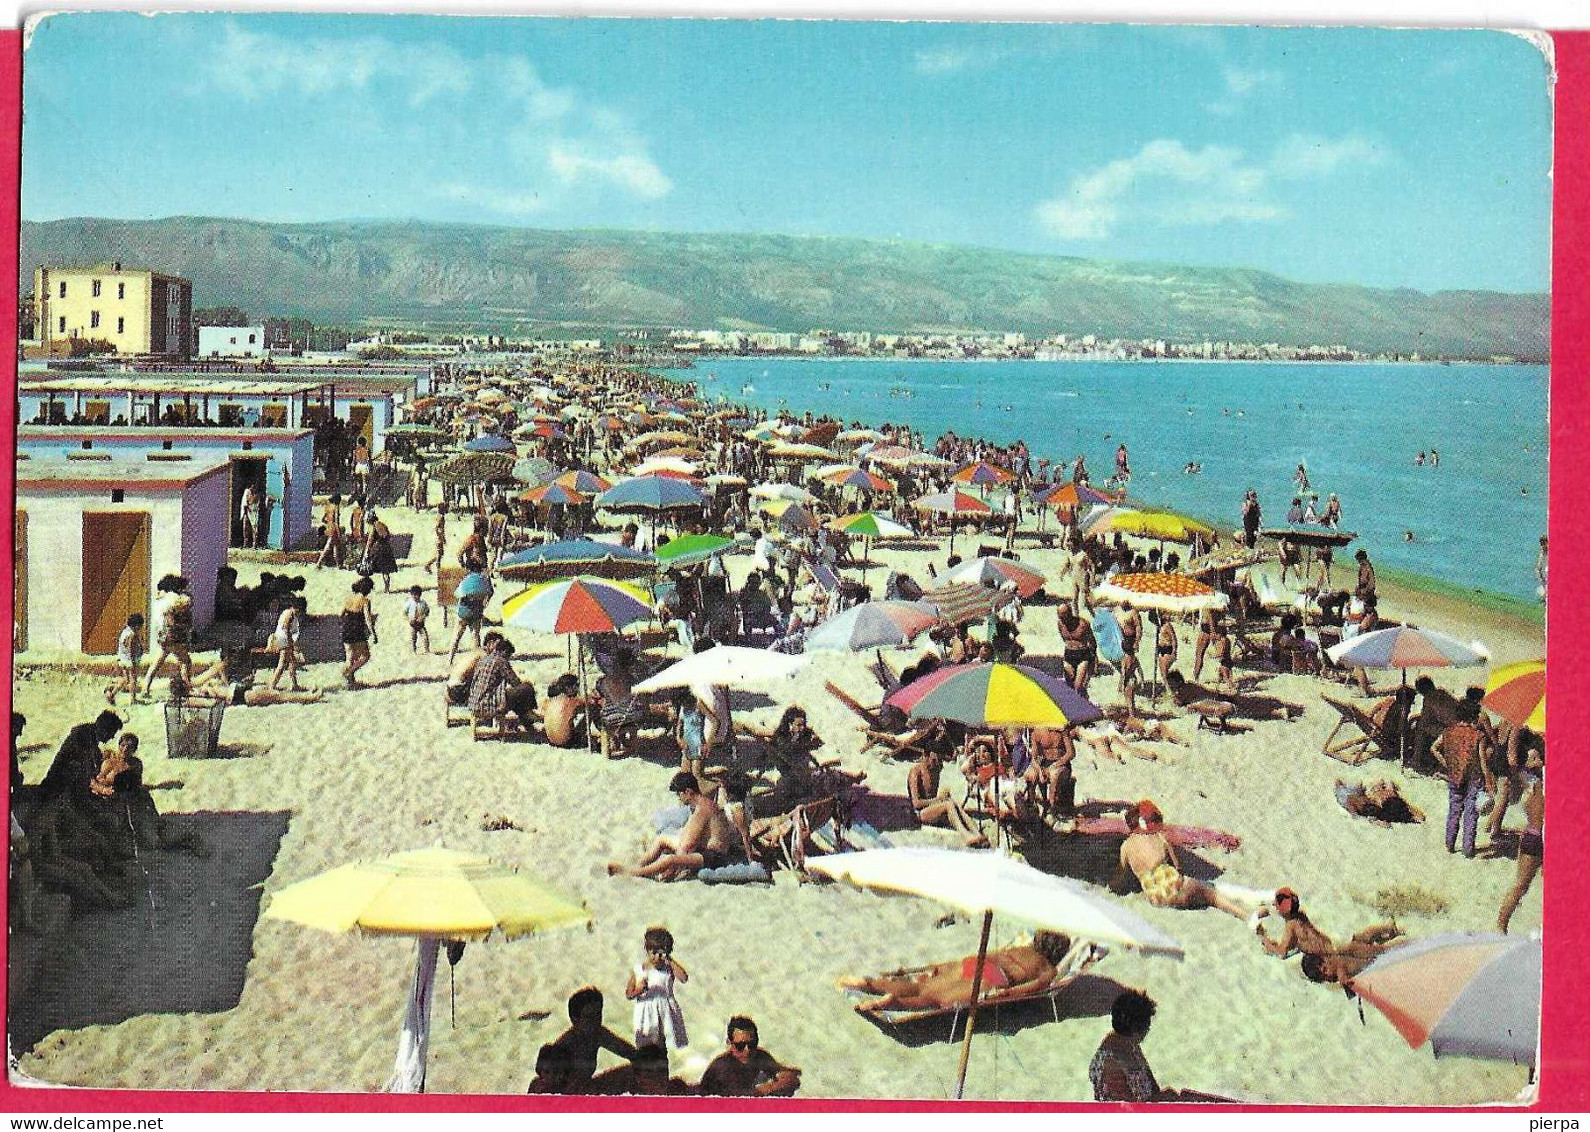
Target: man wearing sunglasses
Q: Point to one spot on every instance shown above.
(747, 1070)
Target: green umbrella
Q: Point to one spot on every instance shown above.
(688, 550)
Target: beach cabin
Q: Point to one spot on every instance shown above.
(144, 400)
(93, 537)
(278, 462)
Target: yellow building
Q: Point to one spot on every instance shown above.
(137, 312)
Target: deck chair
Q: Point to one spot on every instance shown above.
(787, 839)
(894, 744)
(1076, 962)
(1356, 749)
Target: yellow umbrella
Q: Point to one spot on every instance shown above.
(1166, 526)
(1517, 693)
(433, 895)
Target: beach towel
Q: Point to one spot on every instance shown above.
(1183, 836)
(1107, 632)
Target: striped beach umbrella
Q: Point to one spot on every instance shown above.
(995, 695)
(1405, 647)
(872, 624)
(569, 558)
(1517, 693)
(995, 572)
(1467, 995)
(583, 481)
(965, 602)
(952, 503)
(800, 452)
(787, 491)
(1162, 526)
(549, 493)
(576, 605)
(650, 493)
(1169, 593)
(871, 524)
(856, 478)
(1070, 496)
(981, 473)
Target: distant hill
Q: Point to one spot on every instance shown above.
(451, 275)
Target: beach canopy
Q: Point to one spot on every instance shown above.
(1163, 526)
(872, 624)
(571, 557)
(688, 550)
(1517, 693)
(985, 882)
(1169, 593)
(965, 602)
(490, 442)
(1406, 646)
(952, 503)
(576, 605)
(995, 572)
(729, 666)
(981, 473)
(433, 895)
(650, 493)
(1468, 995)
(578, 479)
(995, 695)
(871, 524)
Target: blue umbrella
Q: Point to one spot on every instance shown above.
(571, 557)
(650, 493)
(473, 585)
(490, 442)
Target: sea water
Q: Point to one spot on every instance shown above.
(1358, 429)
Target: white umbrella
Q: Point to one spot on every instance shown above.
(664, 464)
(726, 666)
(982, 882)
(783, 491)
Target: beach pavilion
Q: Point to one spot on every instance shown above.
(278, 462)
(93, 537)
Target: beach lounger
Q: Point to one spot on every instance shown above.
(1371, 739)
(1082, 956)
(895, 744)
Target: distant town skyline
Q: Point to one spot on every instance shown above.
(1387, 158)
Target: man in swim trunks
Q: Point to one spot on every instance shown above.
(933, 803)
(1131, 623)
(1150, 857)
(708, 840)
(1053, 753)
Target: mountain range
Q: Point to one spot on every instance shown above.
(455, 276)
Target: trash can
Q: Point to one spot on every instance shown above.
(192, 731)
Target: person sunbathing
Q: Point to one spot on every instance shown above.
(933, 803)
(1245, 706)
(1011, 973)
(1323, 961)
(1108, 739)
(996, 788)
(708, 840)
(1381, 802)
(1150, 857)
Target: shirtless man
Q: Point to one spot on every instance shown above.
(560, 712)
(933, 803)
(1081, 648)
(1052, 755)
(708, 840)
(1131, 623)
(1150, 857)
(462, 673)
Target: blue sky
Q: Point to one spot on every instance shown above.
(1416, 159)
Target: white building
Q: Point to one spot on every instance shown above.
(232, 342)
(95, 536)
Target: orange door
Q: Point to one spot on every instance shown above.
(115, 575)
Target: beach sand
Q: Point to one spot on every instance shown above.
(370, 772)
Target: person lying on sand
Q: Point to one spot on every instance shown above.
(1244, 705)
(1011, 973)
(1150, 857)
(933, 803)
(1105, 738)
(1323, 961)
(1380, 802)
(708, 840)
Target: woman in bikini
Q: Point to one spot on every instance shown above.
(1324, 961)
(358, 630)
(1010, 973)
(1531, 843)
(1165, 646)
(331, 530)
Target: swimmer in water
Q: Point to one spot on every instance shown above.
(1407, 536)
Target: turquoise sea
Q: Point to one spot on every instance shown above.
(1476, 519)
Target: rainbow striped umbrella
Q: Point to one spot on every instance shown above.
(981, 473)
(856, 478)
(871, 524)
(583, 481)
(576, 605)
(1070, 496)
(1468, 995)
(952, 503)
(1405, 647)
(995, 695)
(549, 493)
(1517, 693)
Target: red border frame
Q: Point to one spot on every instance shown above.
(1565, 1021)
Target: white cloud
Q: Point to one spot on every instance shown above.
(1240, 83)
(574, 162)
(948, 60)
(555, 140)
(1167, 184)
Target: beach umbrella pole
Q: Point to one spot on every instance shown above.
(971, 1016)
(408, 1071)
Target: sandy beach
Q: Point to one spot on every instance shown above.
(305, 788)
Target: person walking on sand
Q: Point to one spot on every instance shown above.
(1366, 577)
(358, 630)
(331, 531)
(173, 629)
(1459, 750)
(284, 641)
(441, 535)
(129, 647)
(415, 612)
(651, 987)
(1252, 515)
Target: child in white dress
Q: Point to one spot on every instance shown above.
(658, 1019)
